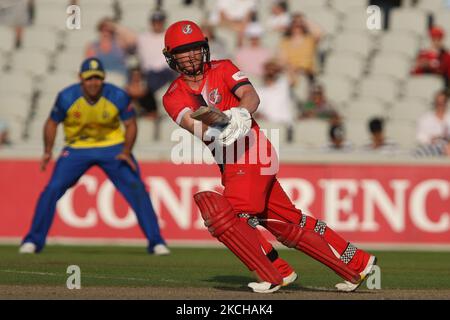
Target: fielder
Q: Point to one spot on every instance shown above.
(91, 112)
(223, 99)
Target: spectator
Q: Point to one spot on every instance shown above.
(435, 125)
(439, 149)
(279, 18)
(338, 142)
(436, 59)
(276, 102)
(234, 15)
(318, 106)
(16, 14)
(152, 61)
(378, 141)
(252, 57)
(217, 46)
(110, 49)
(298, 48)
(143, 100)
(4, 133)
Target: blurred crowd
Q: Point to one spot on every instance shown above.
(294, 61)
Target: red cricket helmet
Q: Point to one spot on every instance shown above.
(184, 36)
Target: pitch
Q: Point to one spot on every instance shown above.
(204, 273)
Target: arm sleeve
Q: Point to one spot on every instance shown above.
(175, 107)
(233, 77)
(124, 104)
(58, 112)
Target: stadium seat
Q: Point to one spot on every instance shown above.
(53, 16)
(338, 88)
(403, 132)
(390, 64)
(16, 83)
(357, 132)
(68, 62)
(345, 64)
(423, 86)
(442, 18)
(307, 5)
(326, 19)
(45, 39)
(353, 42)
(7, 38)
(365, 108)
(270, 126)
(414, 20)
(16, 126)
(402, 42)
(33, 62)
(408, 109)
(55, 82)
(15, 106)
(312, 133)
(356, 21)
(185, 13)
(343, 6)
(146, 132)
(166, 127)
(44, 105)
(136, 16)
(431, 6)
(384, 88)
(77, 40)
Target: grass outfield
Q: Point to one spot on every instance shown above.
(210, 270)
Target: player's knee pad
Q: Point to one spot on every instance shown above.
(313, 243)
(236, 233)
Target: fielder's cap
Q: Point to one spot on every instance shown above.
(436, 32)
(92, 67)
(254, 30)
(158, 15)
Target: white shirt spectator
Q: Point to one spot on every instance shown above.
(430, 127)
(277, 22)
(276, 103)
(235, 10)
(149, 49)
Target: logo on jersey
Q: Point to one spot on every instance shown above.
(187, 29)
(238, 76)
(215, 97)
(94, 65)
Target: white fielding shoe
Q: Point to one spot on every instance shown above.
(161, 250)
(289, 279)
(27, 247)
(263, 287)
(347, 286)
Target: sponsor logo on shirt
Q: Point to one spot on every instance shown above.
(215, 97)
(239, 76)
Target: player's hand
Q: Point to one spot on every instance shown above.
(238, 127)
(45, 160)
(124, 156)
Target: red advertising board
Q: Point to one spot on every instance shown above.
(369, 204)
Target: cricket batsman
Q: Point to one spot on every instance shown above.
(92, 112)
(222, 98)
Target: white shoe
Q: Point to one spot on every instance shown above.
(27, 247)
(347, 286)
(289, 279)
(263, 287)
(161, 250)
